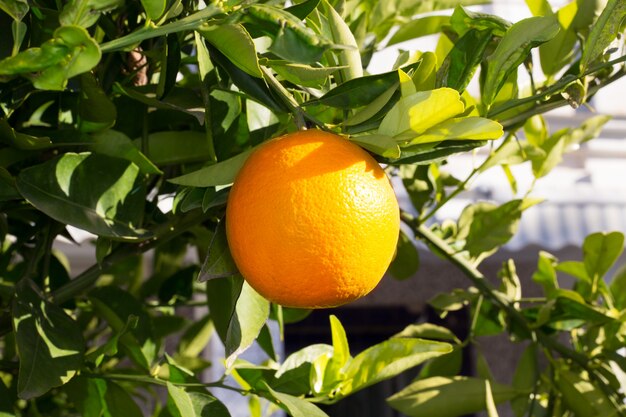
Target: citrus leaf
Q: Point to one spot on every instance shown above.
(221, 173)
(421, 111)
(70, 51)
(117, 307)
(50, 344)
(486, 226)
(459, 66)
(296, 407)
(603, 31)
(302, 74)
(176, 147)
(235, 43)
(373, 108)
(219, 262)
(17, 9)
(118, 145)
(406, 262)
(361, 91)
(524, 379)
(379, 144)
(513, 50)
(95, 111)
(154, 8)
(388, 359)
(417, 28)
(465, 128)
(96, 397)
(249, 316)
(349, 55)
(182, 403)
(600, 251)
(448, 397)
(96, 193)
(86, 12)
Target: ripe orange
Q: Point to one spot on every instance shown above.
(312, 220)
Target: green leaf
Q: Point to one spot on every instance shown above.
(463, 20)
(418, 112)
(222, 295)
(524, 379)
(302, 10)
(249, 316)
(460, 64)
(96, 397)
(70, 52)
(406, 262)
(221, 173)
(463, 128)
(372, 109)
(254, 87)
(511, 285)
(154, 8)
(560, 142)
(116, 144)
(513, 50)
(360, 91)
(603, 32)
(334, 373)
(6, 401)
(179, 99)
(448, 397)
(379, 144)
(50, 344)
(18, 140)
(96, 193)
(235, 43)
(176, 147)
(427, 153)
(388, 359)
(582, 397)
(117, 307)
(559, 51)
(296, 407)
(302, 74)
(193, 404)
(95, 111)
(486, 226)
(618, 288)
(600, 251)
(417, 28)
(86, 12)
(428, 331)
(218, 262)
(292, 39)
(349, 55)
(196, 337)
(447, 365)
(546, 273)
(17, 9)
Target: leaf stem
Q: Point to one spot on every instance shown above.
(157, 381)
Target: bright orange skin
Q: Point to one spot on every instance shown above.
(312, 220)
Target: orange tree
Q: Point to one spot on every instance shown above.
(108, 107)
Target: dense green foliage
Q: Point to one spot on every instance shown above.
(108, 107)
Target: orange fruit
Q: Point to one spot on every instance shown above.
(312, 220)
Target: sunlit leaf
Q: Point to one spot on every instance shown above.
(448, 397)
(50, 343)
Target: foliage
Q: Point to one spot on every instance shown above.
(109, 107)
